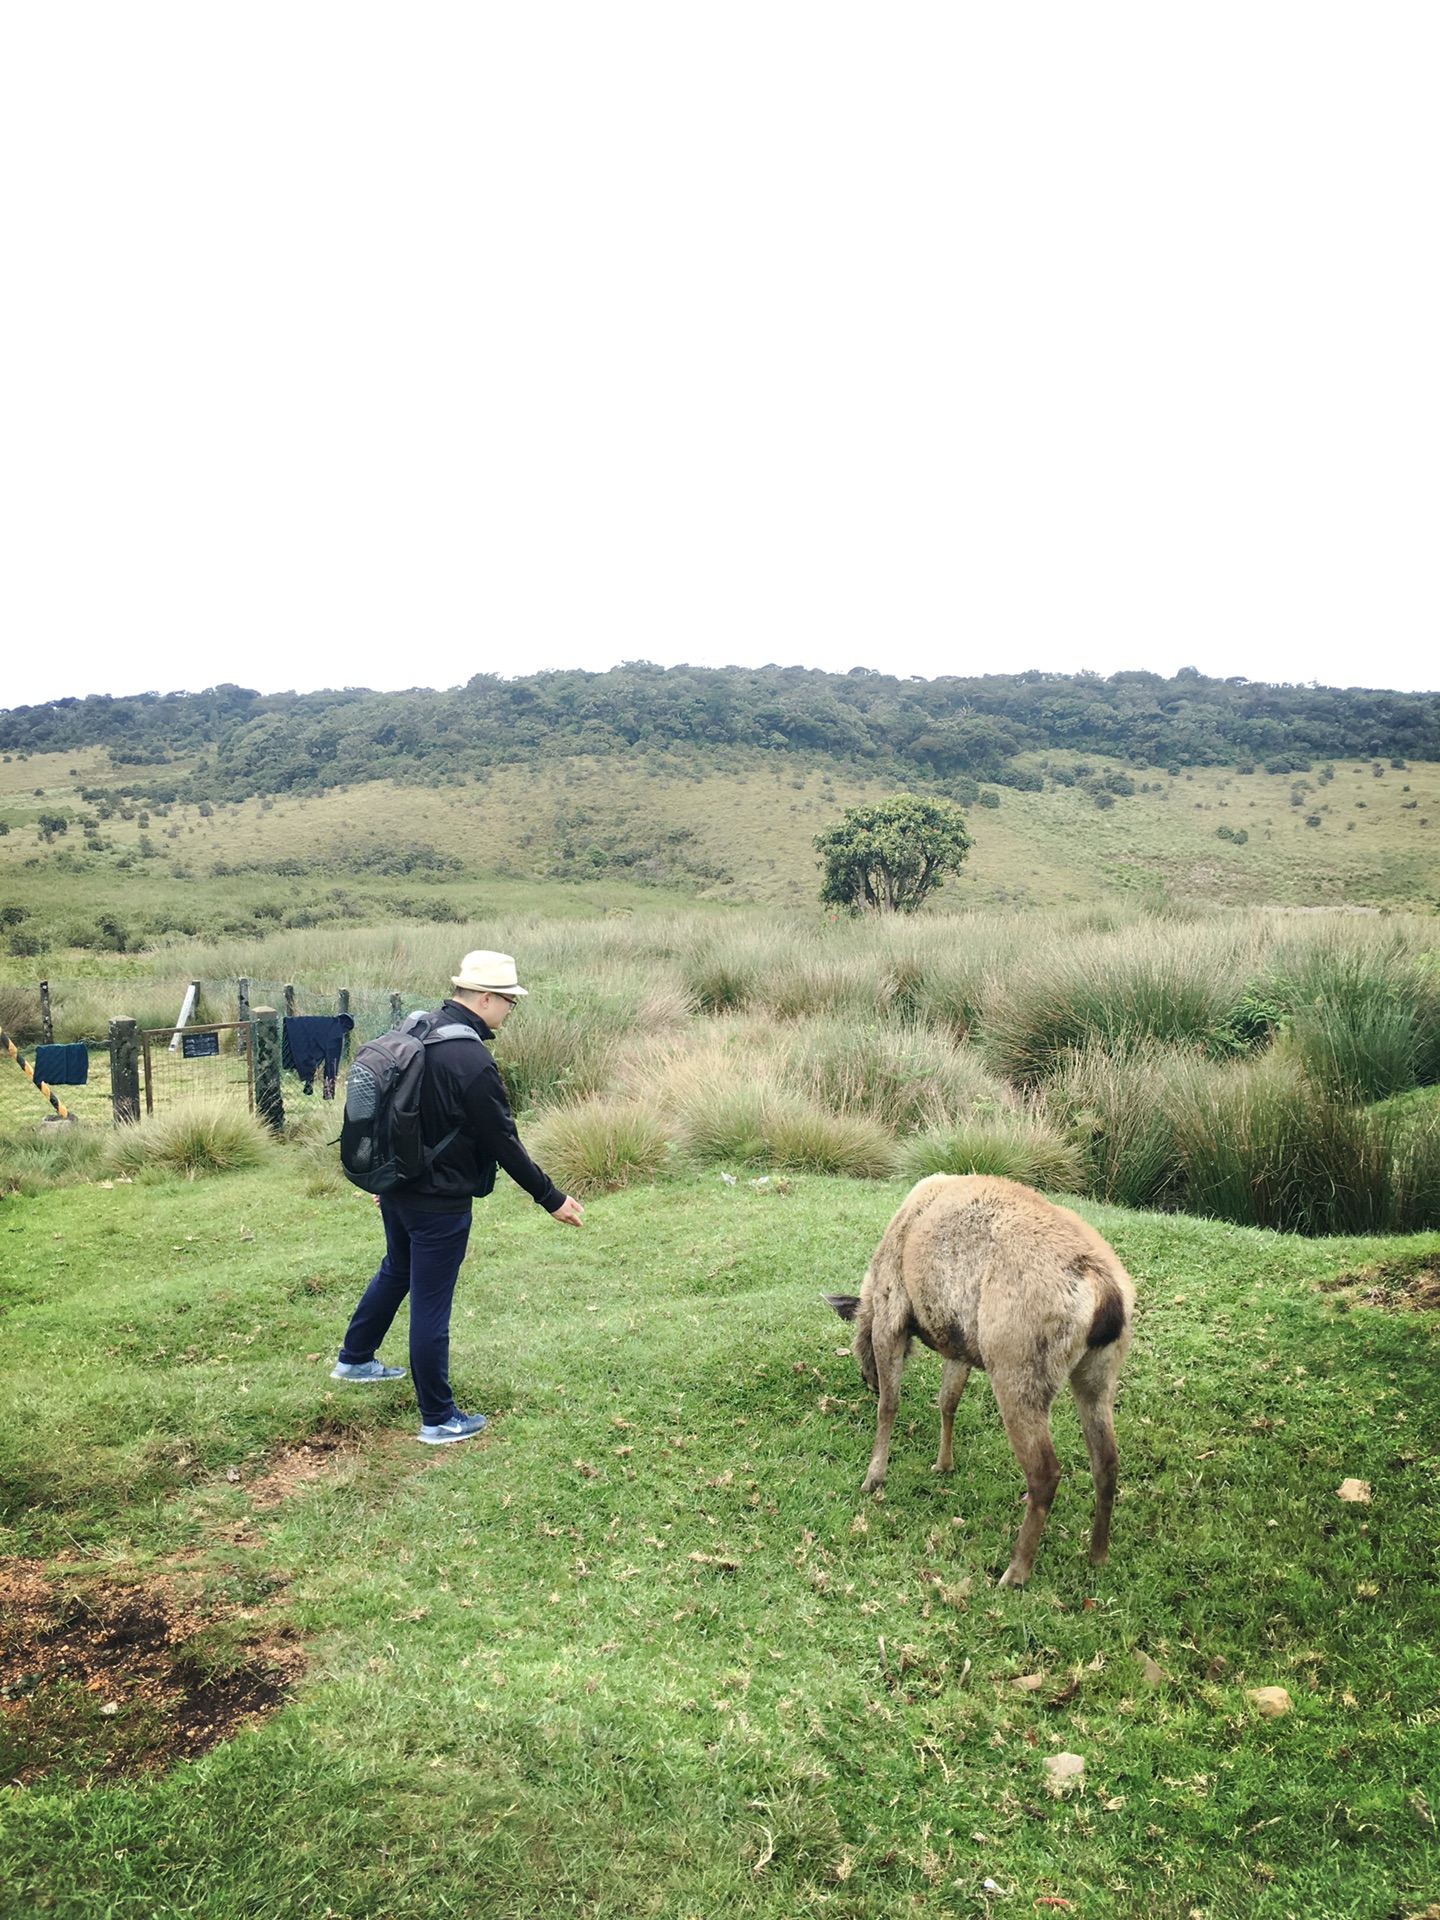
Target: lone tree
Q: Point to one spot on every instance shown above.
(891, 856)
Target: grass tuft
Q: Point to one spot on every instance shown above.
(199, 1138)
(600, 1145)
(1015, 1147)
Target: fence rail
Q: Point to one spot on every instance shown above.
(153, 1063)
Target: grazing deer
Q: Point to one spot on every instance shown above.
(991, 1275)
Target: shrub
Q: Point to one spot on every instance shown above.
(597, 1146)
(1019, 1148)
(199, 1137)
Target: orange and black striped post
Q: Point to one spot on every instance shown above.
(29, 1073)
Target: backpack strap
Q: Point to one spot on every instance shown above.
(453, 1030)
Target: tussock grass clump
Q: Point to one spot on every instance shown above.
(599, 1146)
(763, 1124)
(1157, 984)
(721, 981)
(547, 1052)
(1114, 1109)
(20, 1012)
(197, 1138)
(1260, 1145)
(54, 1154)
(1016, 1147)
(905, 1077)
(1364, 1017)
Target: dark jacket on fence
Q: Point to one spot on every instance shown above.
(463, 1089)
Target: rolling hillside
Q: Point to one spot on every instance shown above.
(610, 831)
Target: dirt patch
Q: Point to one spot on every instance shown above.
(104, 1675)
(321, 1457)
(1409, 1283)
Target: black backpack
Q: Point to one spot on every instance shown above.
(380, 1143)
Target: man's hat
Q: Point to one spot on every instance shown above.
(483, 972)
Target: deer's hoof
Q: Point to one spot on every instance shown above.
(1012, 1577)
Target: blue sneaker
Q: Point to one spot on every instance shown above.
(365, 1370)
(459, 1426)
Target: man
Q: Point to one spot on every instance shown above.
(465, 1121)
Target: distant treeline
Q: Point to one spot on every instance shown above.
(239, 742)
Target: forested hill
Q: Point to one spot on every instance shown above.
(232, 741)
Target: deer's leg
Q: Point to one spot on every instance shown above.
(1028, 1427)
(952, 1385)
(1093, 1383)
(889, 1354)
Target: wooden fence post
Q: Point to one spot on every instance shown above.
(342, 1005)
(395, 1014)
(242, 999)
(265, 1046)
(124, 1072)
(289, 1003)
(47, 1025)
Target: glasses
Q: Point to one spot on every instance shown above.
(508, 998)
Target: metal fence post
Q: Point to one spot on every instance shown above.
(242, 1002)
(289, 1003)
(47, 1026)
(265, 1048)
(124, 1072)
(342, 1005)
(395, 1014)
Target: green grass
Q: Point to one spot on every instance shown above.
(622, 1656)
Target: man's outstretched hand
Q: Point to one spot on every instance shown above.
(570, 1214)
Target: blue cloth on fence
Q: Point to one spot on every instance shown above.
(312, 1041)
(65, 1065)
(199, 1046)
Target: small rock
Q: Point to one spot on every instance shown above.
(1271, 1701)
(110, 1708)
(1151, 1672)
(232, 1474)
(1066, 1770)
(1357, 1492)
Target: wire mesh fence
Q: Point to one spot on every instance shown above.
(210, 1062)
(83, 1007)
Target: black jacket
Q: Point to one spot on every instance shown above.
(463, 1089)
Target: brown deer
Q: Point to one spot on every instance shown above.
(991, 1275)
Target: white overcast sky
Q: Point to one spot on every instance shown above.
(378, 346)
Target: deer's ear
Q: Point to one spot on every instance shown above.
(843, 1303)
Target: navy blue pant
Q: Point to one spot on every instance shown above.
(423, 1252)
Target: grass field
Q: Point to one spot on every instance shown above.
(631, 835)
(641, 1650)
